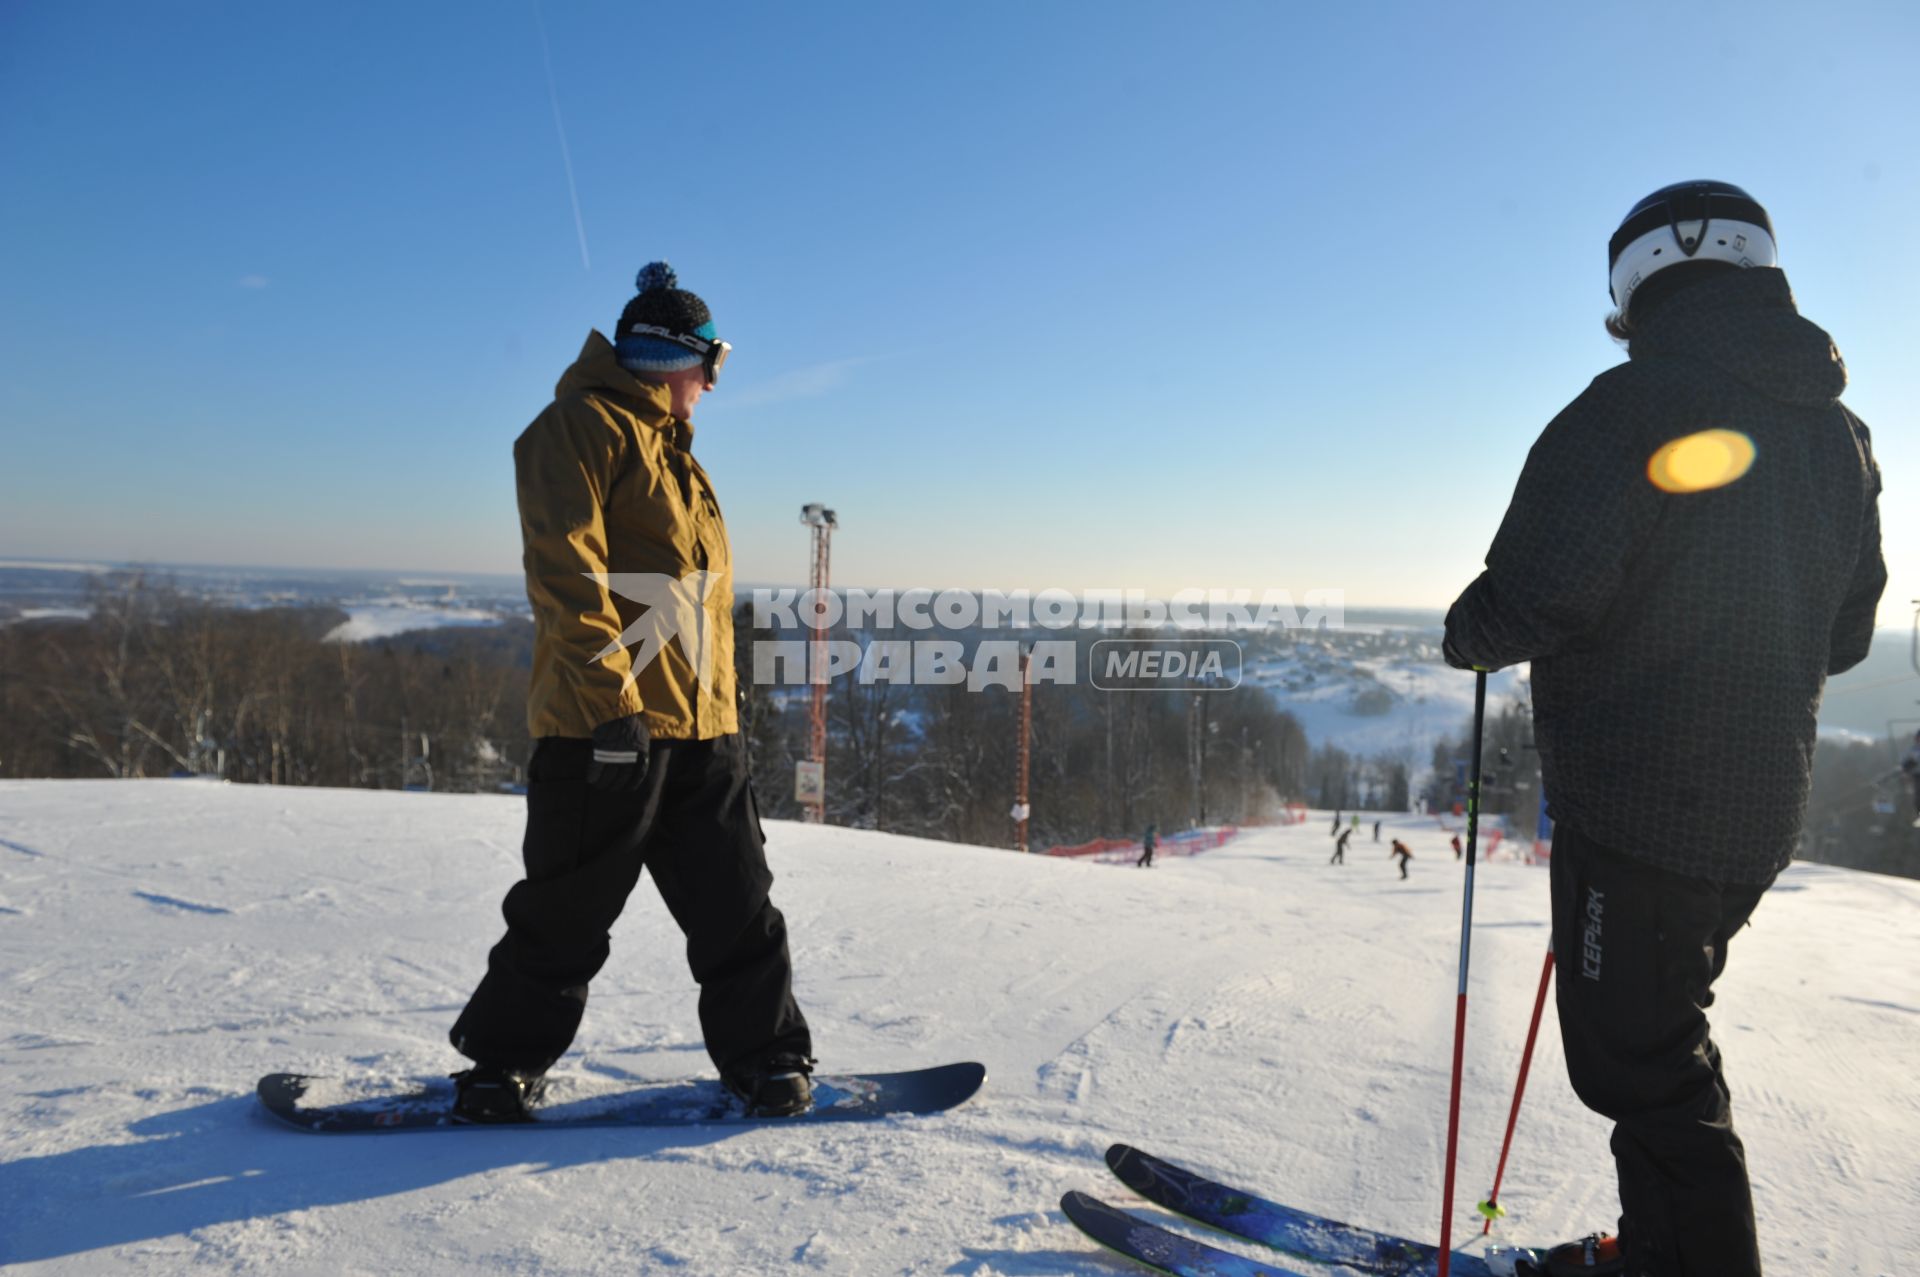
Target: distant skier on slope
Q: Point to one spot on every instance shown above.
(1458, 850)
(1402, 853)
(1340, 848)
(635, 766)
(1147, 842)
(1682, 592)
(1376, 831)
(1334, 832)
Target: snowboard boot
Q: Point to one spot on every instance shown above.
(1597, 1255)
(776, 1086)
(489, 1093)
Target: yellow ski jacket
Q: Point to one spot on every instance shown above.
(627, 562)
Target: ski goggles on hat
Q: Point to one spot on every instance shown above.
(713, 354)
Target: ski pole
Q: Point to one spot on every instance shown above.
(1491, 1208)
(1466, 943)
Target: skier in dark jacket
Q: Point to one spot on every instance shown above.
(1148, 841)
(1340, 848)
(1402, 853)
(1692, 548)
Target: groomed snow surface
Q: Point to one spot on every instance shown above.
(1252, 1012)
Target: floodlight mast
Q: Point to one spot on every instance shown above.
(1022, 809)
(822, 521)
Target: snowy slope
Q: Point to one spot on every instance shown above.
(1250, 1010)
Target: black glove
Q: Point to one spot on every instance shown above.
(620, 747)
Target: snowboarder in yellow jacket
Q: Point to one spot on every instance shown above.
(639, 761)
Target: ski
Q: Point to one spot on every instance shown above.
(1155, 1247)
(337, 1106)
(1295, 1232)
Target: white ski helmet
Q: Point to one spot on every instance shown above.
(1687, 222)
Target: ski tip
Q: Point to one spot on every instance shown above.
(1074, 1201)
(1083, 1207)
(1136, 1169)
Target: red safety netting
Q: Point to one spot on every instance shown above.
(1093, 848)
(1188, 842)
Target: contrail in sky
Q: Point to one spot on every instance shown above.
(566, 155)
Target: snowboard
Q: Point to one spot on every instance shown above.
(339, 1106)
(1285, 1228)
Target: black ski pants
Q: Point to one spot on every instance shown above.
(694, 825)
(1638, 950)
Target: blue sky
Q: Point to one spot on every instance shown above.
(1066, 294)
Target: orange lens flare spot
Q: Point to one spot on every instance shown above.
(1701, 462)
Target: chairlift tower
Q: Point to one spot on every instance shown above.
(811, 778)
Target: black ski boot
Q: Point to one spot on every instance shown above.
(489, 1093)
(1597, 1255)
(776, 1086)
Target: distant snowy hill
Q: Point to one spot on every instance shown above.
(1396, 705)
(1880, 693)
(1251, 1011)
(1386, 692)
(378, 604)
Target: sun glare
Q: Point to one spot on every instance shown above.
(1701, 462)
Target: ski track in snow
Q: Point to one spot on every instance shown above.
(1251, 1012)
(184, 906)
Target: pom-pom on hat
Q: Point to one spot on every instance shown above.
(661, 303)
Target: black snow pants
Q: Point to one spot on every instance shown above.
(1638, 950)
(694, 825)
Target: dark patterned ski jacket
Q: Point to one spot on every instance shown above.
(1680, 640)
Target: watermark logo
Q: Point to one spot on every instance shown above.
(923, 609)
(1155, 665)
(676, 611)
(1055, 626)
